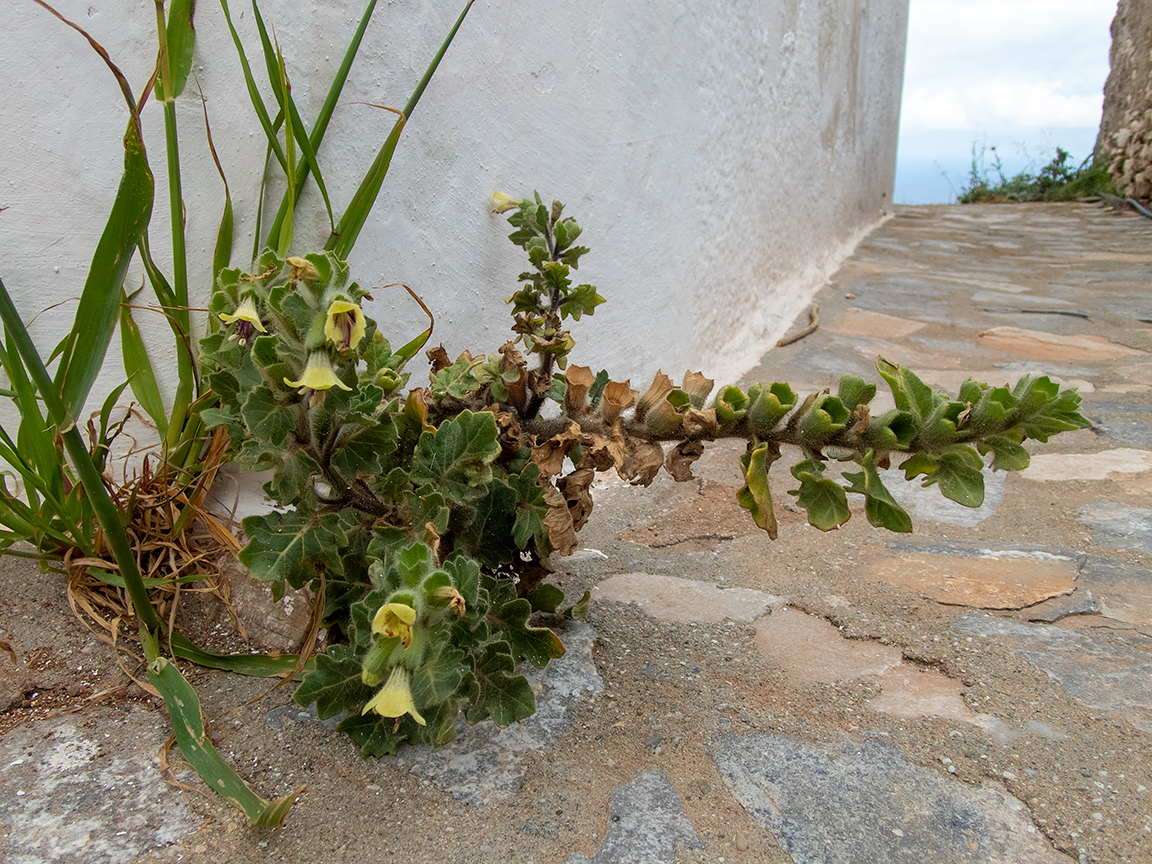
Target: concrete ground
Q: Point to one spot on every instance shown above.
(979, 691)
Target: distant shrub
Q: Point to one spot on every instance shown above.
(1057, 181)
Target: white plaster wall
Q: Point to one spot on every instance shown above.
(722, 157)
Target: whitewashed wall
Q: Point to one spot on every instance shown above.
(723, 157)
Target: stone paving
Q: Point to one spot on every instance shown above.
(978, 692)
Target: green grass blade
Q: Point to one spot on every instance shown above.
(90, 480)
(222, 252)
(284, 244)
(160, 286)
(254, 665)
(178, 39)
(188, 724)
(282, 90)
(96, 315)
(325, 115)
(36, 439)
(254, 93)
(138, 368)
(344, 237)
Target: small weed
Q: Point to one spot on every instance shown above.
(1056, 181)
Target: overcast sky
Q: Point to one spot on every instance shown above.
(1024, 75)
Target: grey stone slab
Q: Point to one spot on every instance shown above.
(1107, 676)
(835, 803)
(1129, 424)
(1118, 525)
(926, 502)
(1123, 590)
(486, 763)
(70, 793)
(977, 549)
(646, 822)
(1077, 603)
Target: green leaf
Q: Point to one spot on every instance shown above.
(1010, 456)
(255, 665)
(824, 418)
(855, 391)
(880, 507)
(578, 611)
(265, 418)
(960, 477)
(755, 495)
(437, 680)
(823, 498)
(179, 39)
(457, 458)
(283, 92)
(545, 598)
(286, 546)
(894, 430)
(335, 685)
(510, 614)
(768, 405)
(489, 536)
(292, 476)
(138, 368)
(373, 734)
(254, 93)
(195, 745)
(504, 695)
(581, 300)
(362, 451)
(86, 344)
(910, 393)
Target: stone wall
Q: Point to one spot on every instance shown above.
(1125, 139)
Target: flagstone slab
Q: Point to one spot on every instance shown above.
(701, 521)
(1121, 526)
(926, 502)
(837, 802)
(1123, 591)
(1104, 675)
(1053, 346)
(646, 823)
(862, 322)
(1105, 465)
(973, 575)
(812, 651)
(68, 795)
(1123, 422)
(669, 598)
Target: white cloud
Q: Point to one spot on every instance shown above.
(989, 63)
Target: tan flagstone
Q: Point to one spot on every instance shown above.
(998, 580)
(668, 598)
(812, 651)
(861, 322)
(1053, 346)
(1105, 465)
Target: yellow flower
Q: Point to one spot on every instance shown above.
(345, 324)
(318, 374)
(395, 619)
(504, 203)
(246, 318)
(395, 698)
